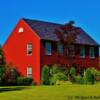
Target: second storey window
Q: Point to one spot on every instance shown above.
(60, 49)
(82, 52)
(48, 50)
(92, 52)
(29, 49)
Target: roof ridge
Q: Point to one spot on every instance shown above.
(46, 31)
(42, 21)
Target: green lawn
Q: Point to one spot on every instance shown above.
(68, 92)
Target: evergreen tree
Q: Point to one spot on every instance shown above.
(45, 75)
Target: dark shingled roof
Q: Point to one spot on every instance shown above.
(46, 31)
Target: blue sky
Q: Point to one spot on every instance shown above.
(86, 14)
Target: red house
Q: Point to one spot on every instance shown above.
(33, 44)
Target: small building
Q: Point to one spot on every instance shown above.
(33, 44)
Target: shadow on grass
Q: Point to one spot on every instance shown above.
(7, 89)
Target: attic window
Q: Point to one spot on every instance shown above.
(21, 30)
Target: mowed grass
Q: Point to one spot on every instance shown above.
(67, 92)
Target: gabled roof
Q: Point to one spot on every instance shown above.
(46, 31)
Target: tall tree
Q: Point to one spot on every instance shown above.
(8, 73)
(2, 66)
(2, 59)
(67, 34)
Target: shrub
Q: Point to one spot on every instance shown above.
(72, 71)
(82, 70)
(54, 69)
(58, 77)
(89, 76)
(79, 80)
(66, 71)
(45, 75)
(24, 81)
(96, 75)
(63, 83)
(72, 74)
(11, 75)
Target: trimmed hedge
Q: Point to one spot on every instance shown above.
(24, 81)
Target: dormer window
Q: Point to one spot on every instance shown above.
(21, 30)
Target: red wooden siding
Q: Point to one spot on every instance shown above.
(15, 50)
(76, 60)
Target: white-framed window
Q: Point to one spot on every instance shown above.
(60, 49)
(48, 49)
(29, 71)
(20, 30)
(92, 52)
(29, 49)
(71, 51)
(82, 52)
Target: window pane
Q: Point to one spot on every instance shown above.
(82, 52)
(21, 30)
(29, 49)
(91, 52)
(60, 49)
(29, 71)
(48, 48)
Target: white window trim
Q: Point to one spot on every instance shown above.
(28, 49)
(29, 74)
(49, 54)
(82, 56)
